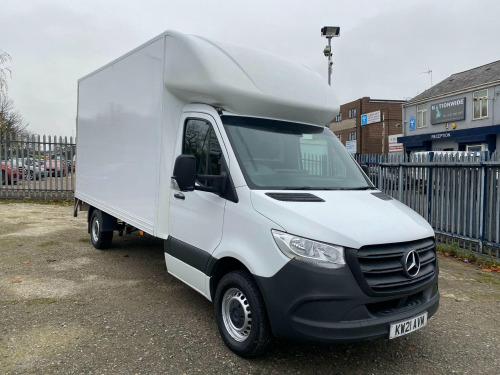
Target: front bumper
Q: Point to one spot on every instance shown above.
(312, 304)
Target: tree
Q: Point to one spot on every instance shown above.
(11, 120)
(5, 72)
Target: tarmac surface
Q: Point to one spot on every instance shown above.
(67, 308)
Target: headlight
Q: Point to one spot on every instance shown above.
(309, 251)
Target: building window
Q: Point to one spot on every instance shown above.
(352, 113)
(352, 136)
(476, 148)
(339, 117)
(480, 104)
(421, 116)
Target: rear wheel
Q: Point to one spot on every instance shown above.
(100, 239)
(241, 315)
(4, 178)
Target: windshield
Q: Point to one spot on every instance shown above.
(279, 155)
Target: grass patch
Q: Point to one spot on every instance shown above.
(48, 202)
(40, 301)
(83, 240)
(454, 251)
(487, 278)
(48, 243)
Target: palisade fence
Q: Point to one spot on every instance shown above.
(458, 194)
(36, 166)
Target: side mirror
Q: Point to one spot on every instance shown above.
(185, 172)
(365, 169)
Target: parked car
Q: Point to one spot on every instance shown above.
(9, 175)
(55, 167)
(16, 165)
(33, 170)
(70, 163)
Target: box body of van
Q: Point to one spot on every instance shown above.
(223, 152)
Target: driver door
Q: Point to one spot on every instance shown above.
(196, 217)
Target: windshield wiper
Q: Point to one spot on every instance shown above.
(298, 188)
(329, 188)
(361, 188)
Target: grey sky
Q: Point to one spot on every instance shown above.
(383, 46)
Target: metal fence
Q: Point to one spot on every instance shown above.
(37, 167)
(457, 193)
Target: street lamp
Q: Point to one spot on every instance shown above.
(329, 32)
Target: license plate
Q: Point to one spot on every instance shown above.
(408, 326)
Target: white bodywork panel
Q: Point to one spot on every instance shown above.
(246, 81)
(247, 237)
(188, 275)
(129, 114)
(346, 218)
(118, 137)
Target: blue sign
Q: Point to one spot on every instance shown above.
(364, 120)
(412, 123)
(373, 159)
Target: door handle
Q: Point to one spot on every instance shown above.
(179, 196)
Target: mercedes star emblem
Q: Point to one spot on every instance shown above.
(412, 263)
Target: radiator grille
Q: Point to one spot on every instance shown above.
(380, 269)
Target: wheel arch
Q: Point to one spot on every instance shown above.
(109, 223)
(221, 267)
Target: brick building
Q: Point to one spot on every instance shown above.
(364, 125)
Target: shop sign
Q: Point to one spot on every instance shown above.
(394, 146)
(370, 118)
(448, 111)
(412, 123)
(350, 146)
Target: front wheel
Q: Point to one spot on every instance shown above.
(100, 239)
(241, 315)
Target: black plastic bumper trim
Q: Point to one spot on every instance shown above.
(307, 303)
(191, 255)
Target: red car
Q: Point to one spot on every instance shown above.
(8, 174)
(55, 168)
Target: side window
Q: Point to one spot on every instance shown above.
(200, 140)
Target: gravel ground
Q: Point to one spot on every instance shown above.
(67, 308)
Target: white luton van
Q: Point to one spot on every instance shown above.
(222, 151)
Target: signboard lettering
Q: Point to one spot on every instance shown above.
(440, 135)
(394, 146)
(412, 123)
(350, 146)
(451, 110)
(370, 118)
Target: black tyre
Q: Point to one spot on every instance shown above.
(241, 315)
(29, 175)
(4, 178)
(100, 239)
